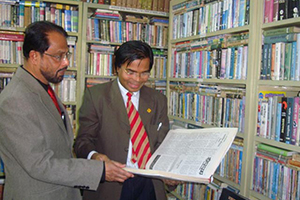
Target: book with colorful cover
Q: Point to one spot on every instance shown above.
(281, 31)
(276, 150)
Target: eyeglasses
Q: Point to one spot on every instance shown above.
(133, 73)
(61, 57)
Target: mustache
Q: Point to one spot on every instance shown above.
(62, 69)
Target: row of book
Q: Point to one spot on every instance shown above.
(90, 82)
(5, 78)
(73, 57)
(212, 58)
(231, 165)
(71, 109)
(23, 13)
(158, 85)
(278, 117)
(281, 54)
(66, 90)
(120, 31)
(276, 173)
(100, 62)
(206, 18)
(11, 52)
(193, 191)
(11, 48)
(155, 5)
(211, 105)
(276, 10)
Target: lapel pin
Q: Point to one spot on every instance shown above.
(149, 110)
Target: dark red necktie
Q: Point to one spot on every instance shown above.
(52, 95)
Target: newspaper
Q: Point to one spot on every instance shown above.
(190, 155)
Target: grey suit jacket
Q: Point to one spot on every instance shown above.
(36, 147)
(104, 127)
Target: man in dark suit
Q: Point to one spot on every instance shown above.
(104, 129)
(35, 133)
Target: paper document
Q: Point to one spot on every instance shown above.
(191, 155)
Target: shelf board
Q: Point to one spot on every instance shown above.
(207, 80)
(221, 32)
(140, 11)
(67, 2)
(128, 10)
(171, 117)
(99, 76)
(258, 196)
(15, 29)
(282, 23)
(277, 144)
(279, 83)
(69, 103)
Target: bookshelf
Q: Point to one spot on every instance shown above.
(275, 82)
(212, 94)
(18, 14)
(105, 27)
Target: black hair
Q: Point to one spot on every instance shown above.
(36, 36)
(131, 51)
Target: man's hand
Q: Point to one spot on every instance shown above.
(99, 156)
(114, 172)
(113, 169)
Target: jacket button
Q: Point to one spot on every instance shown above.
(126, 149)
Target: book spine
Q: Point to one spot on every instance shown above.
(282, 14)
(272, 149)
(295, 120)
(289, 119)
(268, 12)
(290, 37)
(283, 119)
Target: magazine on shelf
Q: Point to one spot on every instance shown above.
(190, 155)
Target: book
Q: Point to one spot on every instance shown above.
(191, 155)
(268, 14)
(281, 31)
(283, 119)
(276, 150)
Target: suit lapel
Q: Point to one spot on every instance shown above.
(45, 99)
(146, 106)
(115, 104)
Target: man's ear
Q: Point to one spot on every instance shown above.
(34, 56)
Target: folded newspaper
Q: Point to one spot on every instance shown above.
(190, 155)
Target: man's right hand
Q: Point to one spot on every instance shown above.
(113, 169)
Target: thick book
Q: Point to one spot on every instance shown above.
(191, 155)
(276, 150)
(281, 31)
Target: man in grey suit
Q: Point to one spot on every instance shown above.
(35, 136)
(104, 129)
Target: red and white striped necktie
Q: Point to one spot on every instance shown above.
(139, 139)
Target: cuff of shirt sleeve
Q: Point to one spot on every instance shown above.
(103, 174)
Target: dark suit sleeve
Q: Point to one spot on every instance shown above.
(88, 126)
